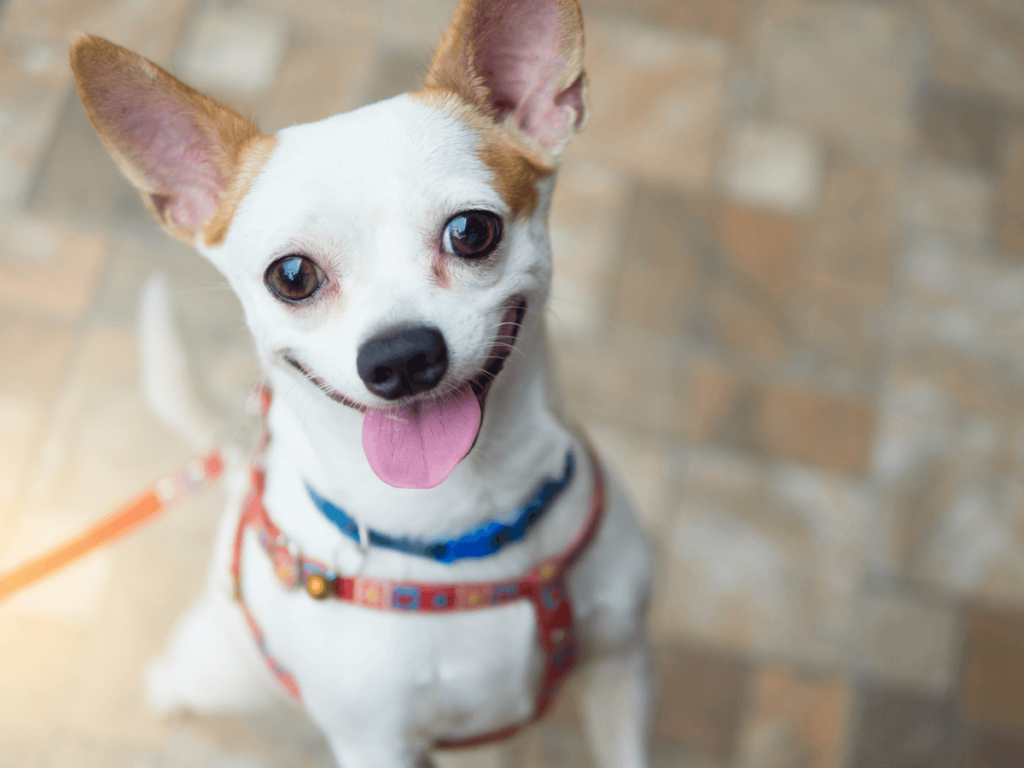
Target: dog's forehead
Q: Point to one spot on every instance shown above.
(395, 159)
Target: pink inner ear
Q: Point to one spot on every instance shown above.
(161, 137)
(517, 55)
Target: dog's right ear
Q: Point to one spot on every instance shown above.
(191, 158)
(520, 62)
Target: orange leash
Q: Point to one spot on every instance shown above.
(195, 476)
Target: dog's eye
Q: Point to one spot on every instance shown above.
(294, 278)
(472, 234)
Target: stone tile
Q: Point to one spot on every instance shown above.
(565, 710)
(505, 755)
(282, 737)
(815, 427)
(149, 27)
(555, 747)
(991, 748)
(845, 70)
(766, 560)
(1010, 201)
(961, 128)
(664, 755)
(896, 729)
(318, 79)
(763, 249)
(908, 642)
(724, 18)
(701, 697)
(947, 456)
(839, 331)
(852, 237)
(187, 744)
(977, 46)
(992, 667)
(209, 318)
(79, 179)
(655, 101)
(20, 424)
(952, 506)
(845, 281)
(601, 383)
(398, 70)
(73, 753)
(716, 17)
(643, 467)
(42, 353)
(958, 295)
(34, 84)
(40, 665)
(794, 720)
(739, 321)
(90, 459)
(48, 267)
(667, 249)
(957, 200)
(234, 51)
(752, 277)
(297, 735)
(139, 252)
(413, 23)
(720, 406)
(772, 166)
(22, 750)
(155, 574)
(587, 217)
(329, 22)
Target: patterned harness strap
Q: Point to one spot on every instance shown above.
(544, 586)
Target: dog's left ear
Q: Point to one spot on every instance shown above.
(521, 63)
(190, 157)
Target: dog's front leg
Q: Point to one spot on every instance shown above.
(492, 756)
(211, 664)
(616, 704)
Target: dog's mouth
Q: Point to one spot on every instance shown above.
(416, 443)
(323, 386)
(505, 342)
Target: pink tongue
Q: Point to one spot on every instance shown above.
(419, 448)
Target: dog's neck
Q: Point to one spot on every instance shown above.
(522, 439)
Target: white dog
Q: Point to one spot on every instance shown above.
(425, 548)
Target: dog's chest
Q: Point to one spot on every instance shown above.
(441, 676)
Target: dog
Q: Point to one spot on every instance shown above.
(425, 547)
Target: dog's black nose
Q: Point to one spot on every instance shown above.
(403, 362)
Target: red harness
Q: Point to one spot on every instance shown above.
(544, 587)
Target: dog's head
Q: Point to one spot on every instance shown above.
(387, 256)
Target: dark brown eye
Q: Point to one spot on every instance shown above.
(294, 278)
(472, 234)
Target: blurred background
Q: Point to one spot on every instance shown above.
(788, 304)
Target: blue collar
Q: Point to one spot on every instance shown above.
(480, 542)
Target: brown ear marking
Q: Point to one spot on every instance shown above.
(250, 161)
(458, 85)
(227, 150)
(515, 167)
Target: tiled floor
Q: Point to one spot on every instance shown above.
(789, 303)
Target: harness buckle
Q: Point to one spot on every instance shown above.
(320, 586)
(287, 562)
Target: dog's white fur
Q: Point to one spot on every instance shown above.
(359, 190)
